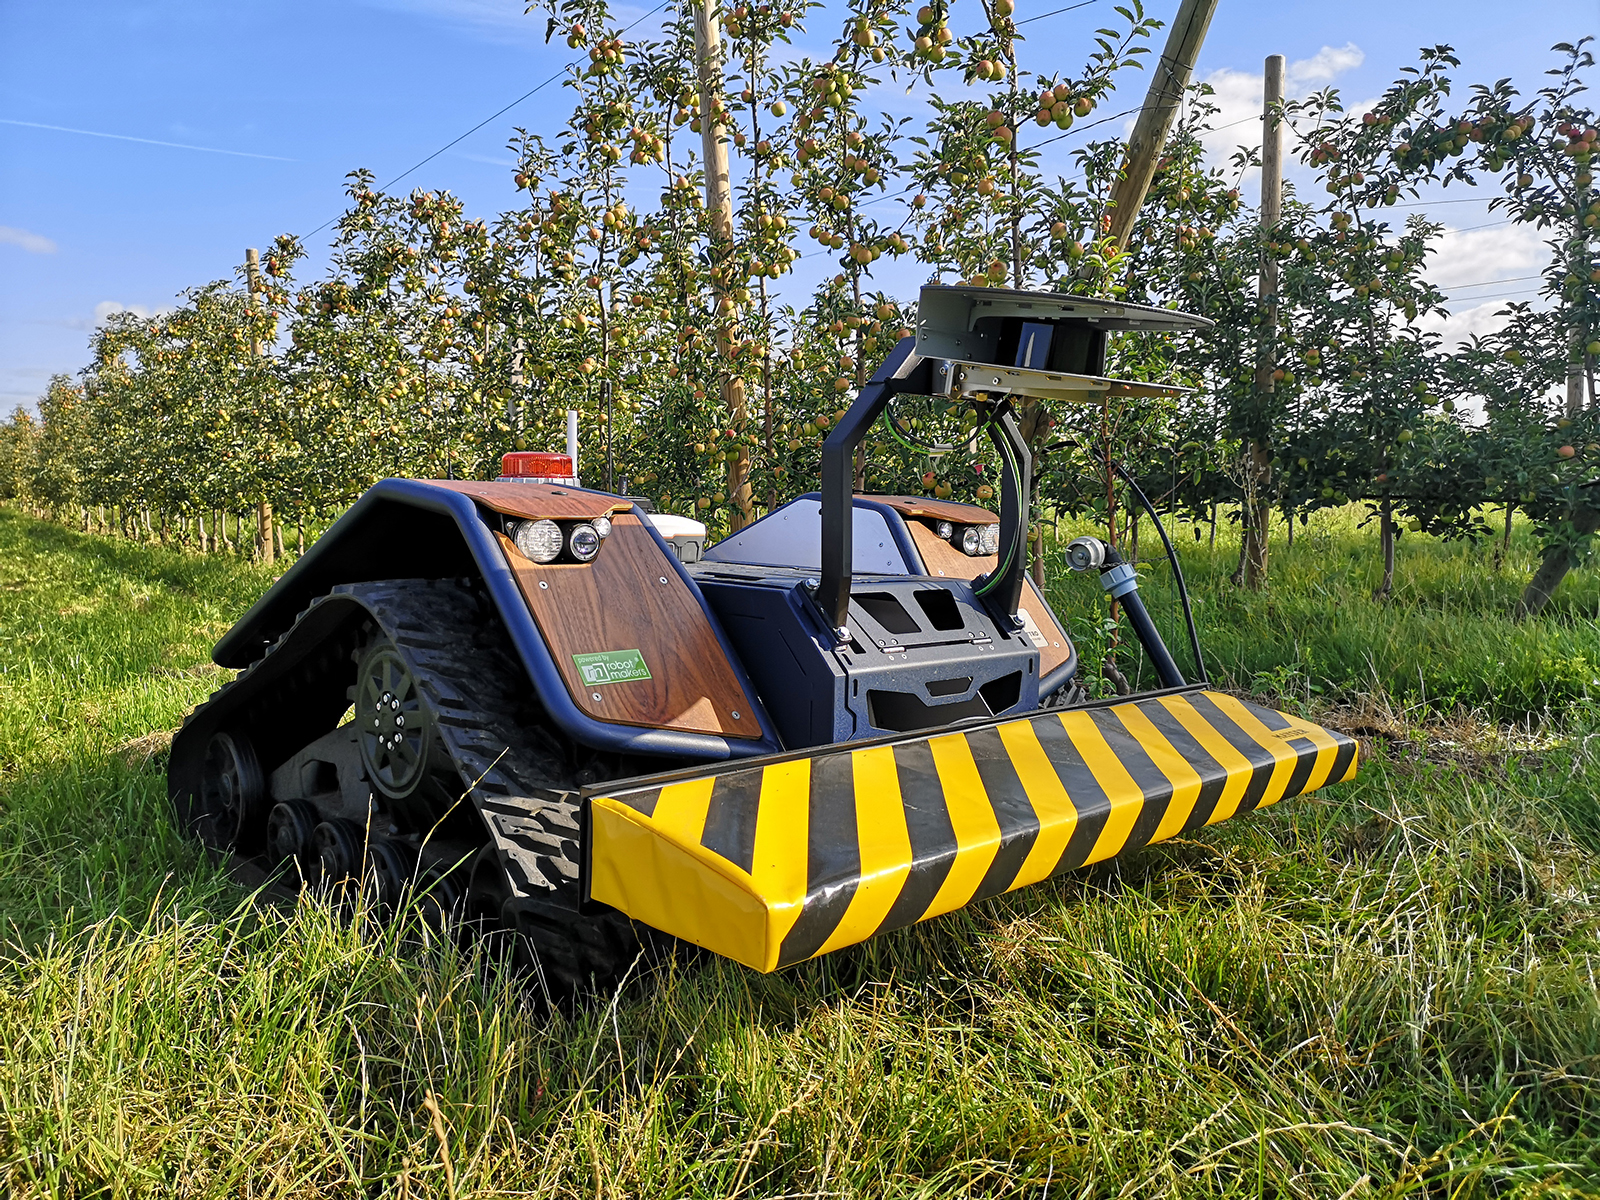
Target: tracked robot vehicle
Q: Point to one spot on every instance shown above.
(541, 705)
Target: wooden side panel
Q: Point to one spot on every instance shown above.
(536, 500)
(631, 598)
(936, 510)
(941, 559)
(1056, 649)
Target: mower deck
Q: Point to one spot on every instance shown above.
(775, 860)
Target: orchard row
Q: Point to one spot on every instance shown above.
(437, 341)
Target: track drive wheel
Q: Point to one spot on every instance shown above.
(394, 728)
(233, 793)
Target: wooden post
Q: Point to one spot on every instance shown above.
(1259, 468)
(252, 269)
(1577, 355)
(719, 207)
(1167, 85)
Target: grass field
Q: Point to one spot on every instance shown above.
(1386, 990)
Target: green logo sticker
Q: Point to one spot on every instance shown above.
(611, 666)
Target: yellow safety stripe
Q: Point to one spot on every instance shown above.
(1058, 816)
(1233, 761)
(771, 862)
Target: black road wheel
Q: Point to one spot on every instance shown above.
(232, 793)
(439, 902)
(488, 889)
(290, 826)
(393, 726)
(393, 867)
(341, 849)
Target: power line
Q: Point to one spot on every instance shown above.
(1057, 12)
(1455, 287)
(1499, 295)
(490, 117)
(1470, 228)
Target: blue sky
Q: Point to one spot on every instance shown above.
(265, 104)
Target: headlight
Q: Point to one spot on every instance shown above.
(944, 529)
(972, 540)
(991, 539)
(583, 542)
(539, 540)
(602, 526)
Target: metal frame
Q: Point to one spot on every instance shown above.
(906, 372)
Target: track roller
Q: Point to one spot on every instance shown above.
(290, 829)
(340, 848)
(233, 793)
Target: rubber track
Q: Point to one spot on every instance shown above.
(513, 768)
(457, 648)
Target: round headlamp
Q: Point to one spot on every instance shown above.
(583, 542)
(539, 541)
(990, 541)
(602, 526)
(944, 529)
(972, 540)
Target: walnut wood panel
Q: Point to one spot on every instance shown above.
(936, 510)
(631, 598)
(940, 558)
(1056, 649)
(536, 500)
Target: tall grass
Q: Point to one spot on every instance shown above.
(1385, 990)
(1444, 637)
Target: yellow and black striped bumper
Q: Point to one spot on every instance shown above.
(776, 860)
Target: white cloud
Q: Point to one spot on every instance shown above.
(1499, 253)
(1324, 66)
(33, 243)
(1480, 320)
(1237, 95)
(108, 308)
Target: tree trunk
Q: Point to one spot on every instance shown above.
(1386, 543)
(1254, 561)
(1504, 548)
(719, 209)
(1237, 578)
(1554, 568)
(264, 538)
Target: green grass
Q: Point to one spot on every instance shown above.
(1444, 637)
(1386, 990)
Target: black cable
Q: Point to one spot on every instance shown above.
(1177, 569)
